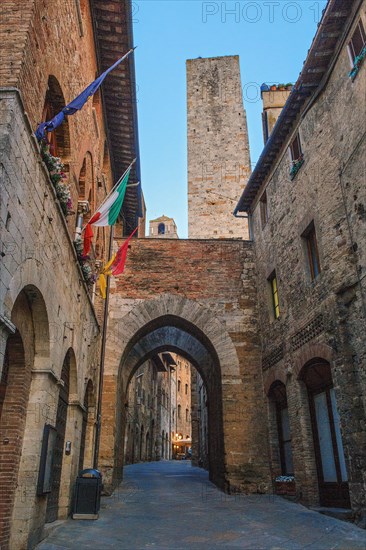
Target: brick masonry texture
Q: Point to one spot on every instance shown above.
(196, 298)
(218, 148)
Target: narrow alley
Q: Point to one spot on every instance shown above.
(172, 505)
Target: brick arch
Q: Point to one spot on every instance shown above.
(86, 176)
(174, 339)
(310, 352)
(173, 323)
(70, 358)
(54, 102)
(124, 332)
(272, 376)
(87, 430)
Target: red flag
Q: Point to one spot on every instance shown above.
(88, 237)
(118, 265)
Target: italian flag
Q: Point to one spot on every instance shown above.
(108, 212)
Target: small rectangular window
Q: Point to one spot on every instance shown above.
(295, 149)
(297, 157)
(312, 251)
(274, 293)
(357, 42)
(264, 209)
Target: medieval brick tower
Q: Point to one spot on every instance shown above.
(218, 148)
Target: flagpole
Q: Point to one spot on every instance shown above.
(102, 357)
(103, 346)
(111, 191)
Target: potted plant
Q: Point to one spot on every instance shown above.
(285, 485)
(357, 63)
(296, 165)
(281, 87)
(57, 175)
(273, 87)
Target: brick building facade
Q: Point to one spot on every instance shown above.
(150, 411)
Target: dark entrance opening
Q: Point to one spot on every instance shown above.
(61, 419)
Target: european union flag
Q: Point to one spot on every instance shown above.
(77, 103)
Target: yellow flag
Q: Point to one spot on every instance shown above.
(103, 285)
(103, 277)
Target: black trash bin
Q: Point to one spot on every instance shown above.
(88, 488)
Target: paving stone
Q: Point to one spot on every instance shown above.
(176, 507)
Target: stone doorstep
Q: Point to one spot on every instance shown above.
(85, 516)
(343, 514)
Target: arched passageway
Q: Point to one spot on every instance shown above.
(176, 335)
(175, 324)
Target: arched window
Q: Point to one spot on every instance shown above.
(178, 385)
(59, 139)
(328, 446)
(161, 229)
(86, 183)
(179, 411)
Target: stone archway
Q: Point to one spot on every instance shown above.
(26, 350)
(171, 322)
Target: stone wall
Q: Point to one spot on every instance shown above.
(218, 148)
(40, 264)
(43, 293)
(324, 317)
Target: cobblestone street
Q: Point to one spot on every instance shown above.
(173, 505)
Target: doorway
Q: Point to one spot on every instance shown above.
(61, 419)
(328, 446)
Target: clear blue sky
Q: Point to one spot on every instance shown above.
(272, 39)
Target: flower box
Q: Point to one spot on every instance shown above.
(285, 486)
(357, 63)
(296, 165)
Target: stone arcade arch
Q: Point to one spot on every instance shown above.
(27, 351)
(171, 322)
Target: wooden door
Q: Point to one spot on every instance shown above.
(329, 453)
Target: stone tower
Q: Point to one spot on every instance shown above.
(218, 148)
